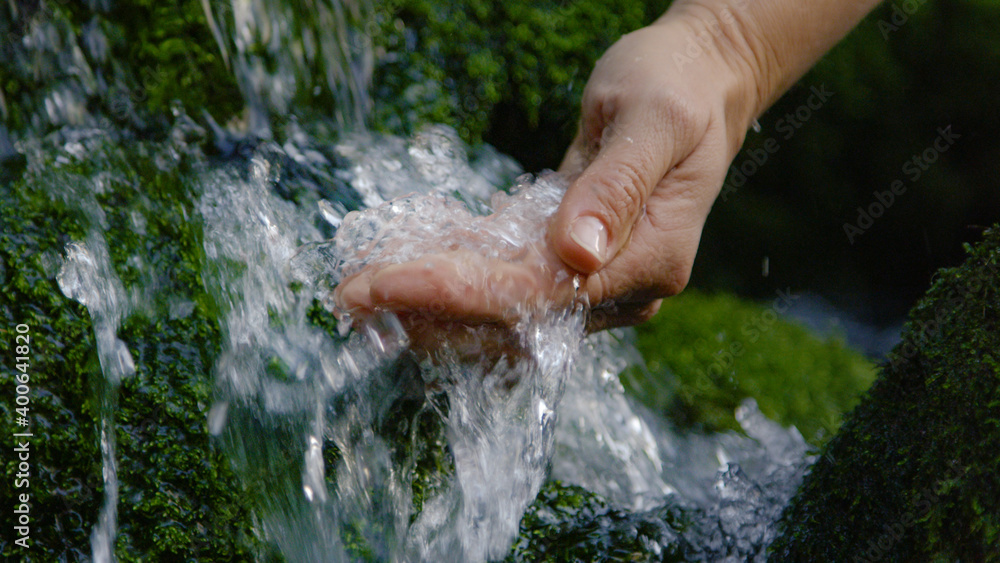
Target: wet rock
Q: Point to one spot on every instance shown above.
(914, 474)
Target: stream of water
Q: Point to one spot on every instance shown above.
(352, 446)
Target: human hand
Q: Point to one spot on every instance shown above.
(458, 282)
(664, 113)
(653, 147)
(658, 131)
(460, 302)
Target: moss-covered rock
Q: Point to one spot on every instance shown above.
(178, 497)
(65, 460)
(503, 71)
(705, 353)
(568, 523)
(128, 61)
(914, 474)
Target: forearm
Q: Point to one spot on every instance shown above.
(770, 43)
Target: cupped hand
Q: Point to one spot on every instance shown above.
(460, 301)
(660, 124)
(661, 121)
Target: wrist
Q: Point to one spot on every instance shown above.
(738, 56)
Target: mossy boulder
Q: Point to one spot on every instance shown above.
(130, 61)
(503, 71)
(914, 474)
(568, 523)
(178, 497)
(706, 352)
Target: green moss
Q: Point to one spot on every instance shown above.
(170, 49)
(153, 53)
(178, 498)
(567, 523)
(914, 474)
(180, 501)
(65, 461)
(706, 353)
(499, 71)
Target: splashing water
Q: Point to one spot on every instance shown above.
(349, 446)
(496, 419)
(352, 445)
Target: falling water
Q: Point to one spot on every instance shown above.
(356, 446)
(349, 445)
(88, 277)
(284, 50)
(334, 395)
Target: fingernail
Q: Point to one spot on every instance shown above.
(355, 294)
(590, 234)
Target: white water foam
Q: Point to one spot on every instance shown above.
(309, 419)
(497, 416)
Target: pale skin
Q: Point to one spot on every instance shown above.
(664, 113)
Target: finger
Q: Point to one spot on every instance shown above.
(664, 242)
(622, 314)
(458, 286)
(354, 294)
(595, 218)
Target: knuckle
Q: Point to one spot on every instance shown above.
(622, 193)
(676, 280)
(597, 287)
(680, 113)
(649, 311)
(677, 116)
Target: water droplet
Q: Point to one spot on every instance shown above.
(217, 417)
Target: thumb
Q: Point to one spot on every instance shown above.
(595, 217)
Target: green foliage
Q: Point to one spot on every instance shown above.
(706, 353)
(169, 47)
(500, 71)
(914, 474)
